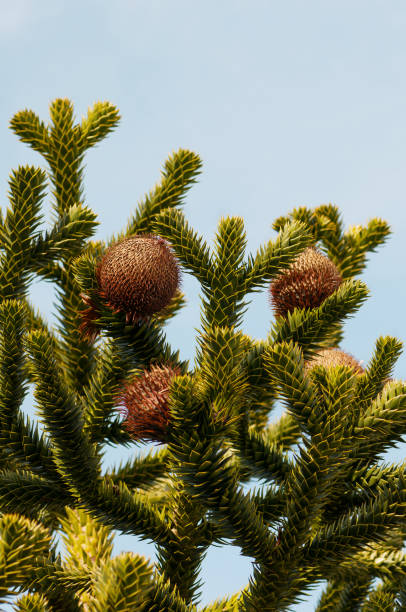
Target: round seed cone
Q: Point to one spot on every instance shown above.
(138, 275)
(310, 279)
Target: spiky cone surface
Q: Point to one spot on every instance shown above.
(332, 357)
(309, 280)
(137, 276)
(145, 403)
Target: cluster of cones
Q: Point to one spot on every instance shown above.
(139, 276)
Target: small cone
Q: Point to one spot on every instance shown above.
(332, 357)
(145, 402)
(305, 284)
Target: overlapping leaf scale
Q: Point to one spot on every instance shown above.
(87, 542)
(65, 348)
(101, 119)
(285, 365)
(382, 598)
(343, 596)
(74, 454)
(21, 542)
(277, 586)
(374, 429)
(324, 222)
(188, 414)
(141, 343)
(224, 306)
(171, 310)
(59, 586)
(383, 424)
(264, 460)
(205, 468)
(35, 321)
(180, 172)
(210, 478)
(367, 523)
(308, 487)
(141, 472)
(65, 239)
(30, 129)
(373, 479)
(26, 445)
(275, 256)
(270, 502)
(162, 596)
(27, 190)
(230, 243)
(335, 390)
(284, 433)
(110, 369)
(228, 604)
(22, 441)
(77, 580)
(359, 483)
(189, 247)
(309, 327)
(121, 584)
(376, 560)
(260, 393)
(387, 351)
(179, 560)
(131, 513)
(13, 386)
(336, 224)
(32, 602)
(28, 494)
(220, 353)
(357, 242)
(27, 186)
(76, 354)
(250, 530)
(65, 156)
(319, 464)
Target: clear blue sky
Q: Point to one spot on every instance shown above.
(288, 103)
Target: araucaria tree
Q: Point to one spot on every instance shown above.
(328, 508)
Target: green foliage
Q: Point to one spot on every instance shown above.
(327, 508)
(349, 249)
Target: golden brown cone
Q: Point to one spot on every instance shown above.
(145, 401)
(332, 357)
(310, 279)
(137, 276)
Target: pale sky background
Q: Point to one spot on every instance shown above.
(289, 103)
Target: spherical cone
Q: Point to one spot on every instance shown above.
(332, 357)
(138, 276)
(305, 284)
(145, 401)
